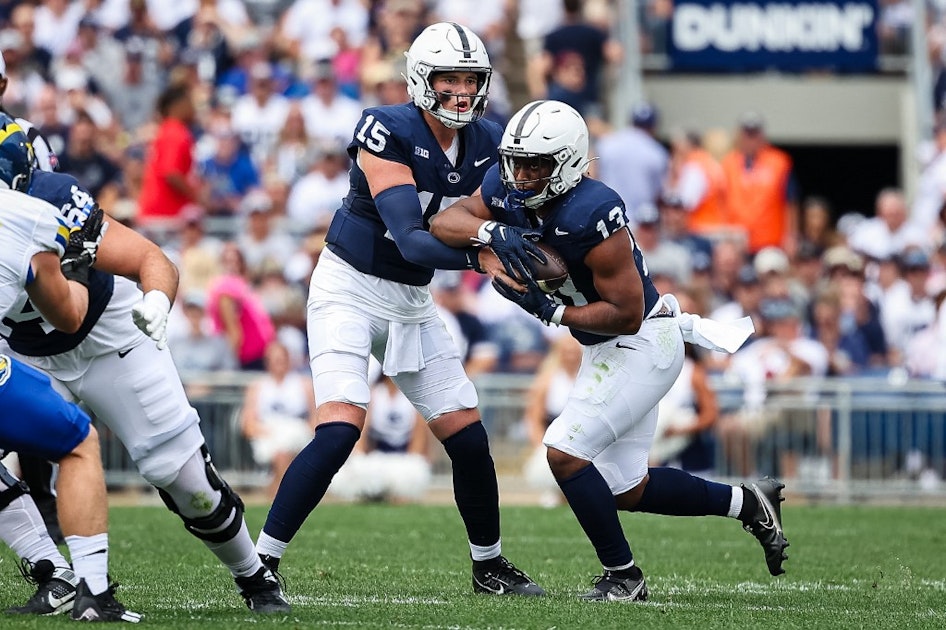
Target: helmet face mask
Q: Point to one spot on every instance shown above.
(16, 156)
(446, 47)
(544, 130)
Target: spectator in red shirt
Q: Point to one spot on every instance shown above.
(168, 184)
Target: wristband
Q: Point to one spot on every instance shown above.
(556, 317)
(485, 233)
(473, 260)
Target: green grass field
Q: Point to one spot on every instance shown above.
(378, 566)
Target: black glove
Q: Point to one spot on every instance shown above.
(514, 246)
(534, 300)
(83, 247)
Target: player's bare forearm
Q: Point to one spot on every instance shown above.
(459, 224)
(124, 252)
(601, 318)
(63, 303)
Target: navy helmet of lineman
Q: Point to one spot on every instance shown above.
(547, 134)
(16, 156)
(448, 47)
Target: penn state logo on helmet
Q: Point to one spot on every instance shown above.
(16, 155)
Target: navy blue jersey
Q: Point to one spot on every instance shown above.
(26, 331)
(399, 133)
(574, 224)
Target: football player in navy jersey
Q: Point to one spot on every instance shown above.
(633, 345)
(114, 362)
(369, 295)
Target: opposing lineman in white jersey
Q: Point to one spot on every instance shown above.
(35, 418)
(133, 387)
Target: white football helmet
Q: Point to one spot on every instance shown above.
(447, 47)
(548, 129)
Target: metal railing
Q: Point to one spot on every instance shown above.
(843, 439)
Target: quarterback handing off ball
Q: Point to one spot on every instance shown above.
(552, 275)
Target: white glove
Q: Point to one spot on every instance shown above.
(151, 316)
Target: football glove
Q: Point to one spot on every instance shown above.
(534, 301)
(514, 247)
(150, 315)
(83, 247)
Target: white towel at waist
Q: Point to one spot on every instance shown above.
(403, 352)
(709, 333)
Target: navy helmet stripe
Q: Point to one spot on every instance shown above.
(517, 136)
(464, 41)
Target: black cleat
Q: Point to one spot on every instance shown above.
(101, 607)
(766, 524)
(616, 586)
(55, 592)
(270, 562)
(501, 577)
(262, 593)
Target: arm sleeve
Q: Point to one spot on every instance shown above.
(400, 210)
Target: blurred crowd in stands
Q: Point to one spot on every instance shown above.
(219, 129)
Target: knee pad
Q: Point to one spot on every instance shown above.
(14, 488)
(226, 519)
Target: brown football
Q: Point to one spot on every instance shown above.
(552, 275)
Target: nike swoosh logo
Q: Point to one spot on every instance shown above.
(495, 591)
(123, 353)
(559, 232)
(623, 347)
(480, 161)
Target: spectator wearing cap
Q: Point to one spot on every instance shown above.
(745, 302)
(103, 57)
(775, 272)
(168, 184)
(926, 351)
(192, 343)
(844, 272)
(906, 308)
(134, 96)
(781, 354)
(849, 352)
(228, 174)
(889, 232)
(632, 161)
(382, 84)
(697, 177)
(259, 115)
(329, 115)
(668, 263)
(315, 197)
(759, 196)
(196, 254)
(674, 226)
(259, 241)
